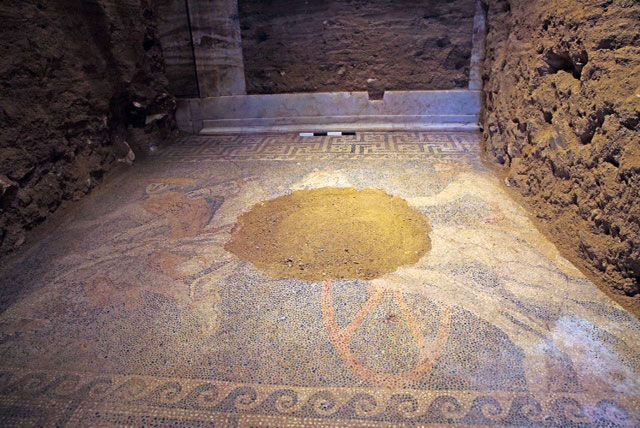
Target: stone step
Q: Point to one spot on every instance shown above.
(344, 111)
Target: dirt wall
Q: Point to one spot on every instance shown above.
(562, 115)
(344, 45)
(81, 86)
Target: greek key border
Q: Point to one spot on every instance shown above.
(372, 145)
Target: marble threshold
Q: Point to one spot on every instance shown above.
(451, 110)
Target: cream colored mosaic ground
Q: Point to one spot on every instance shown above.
(130, 312)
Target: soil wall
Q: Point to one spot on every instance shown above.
(562, 115)
(81, 85)
(348, 45)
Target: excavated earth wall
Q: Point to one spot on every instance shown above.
(355, 45)
(81, 85)
(562, 115)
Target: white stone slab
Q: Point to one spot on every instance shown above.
(398, 110)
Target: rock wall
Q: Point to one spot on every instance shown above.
(344, 45)
(562, 84)
(81, 86)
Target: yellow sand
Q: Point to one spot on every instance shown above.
(331, 233)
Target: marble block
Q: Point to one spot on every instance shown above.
(400, 110)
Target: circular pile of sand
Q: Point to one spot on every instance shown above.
(331, 233)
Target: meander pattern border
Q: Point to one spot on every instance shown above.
(367, 145)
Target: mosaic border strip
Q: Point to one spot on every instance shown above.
(368, 145)
(82, 397)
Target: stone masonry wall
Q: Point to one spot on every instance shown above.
(81, 86)
(562, 84)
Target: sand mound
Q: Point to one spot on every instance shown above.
(331, 233)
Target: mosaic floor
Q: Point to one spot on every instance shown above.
(130, 312)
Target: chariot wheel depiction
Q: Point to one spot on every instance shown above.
(341, 337)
